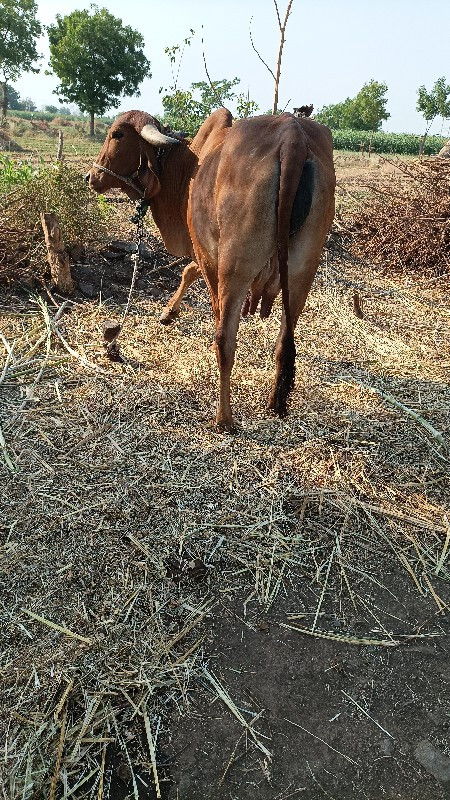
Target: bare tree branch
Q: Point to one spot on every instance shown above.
(280, 52)
(278, 13)
(215, 92)
(282, 27)
(254, 48)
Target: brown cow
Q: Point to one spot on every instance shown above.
(251, 204)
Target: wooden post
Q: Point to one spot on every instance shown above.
(60, 145)
(57, 255)
(371, 141)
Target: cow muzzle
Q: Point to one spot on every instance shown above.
(132, 181)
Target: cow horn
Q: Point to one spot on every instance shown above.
(152, 135)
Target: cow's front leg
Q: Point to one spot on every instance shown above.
(190, 274)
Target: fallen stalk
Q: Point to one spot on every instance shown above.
(406, 410)
(367, 714)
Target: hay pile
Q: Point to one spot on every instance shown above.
(402, 219)
(8, 144)
(129, 525)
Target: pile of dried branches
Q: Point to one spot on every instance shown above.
(403, 221)
(16, 256)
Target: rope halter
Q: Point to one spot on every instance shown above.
(129, 181)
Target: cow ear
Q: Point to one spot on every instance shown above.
(149, 181)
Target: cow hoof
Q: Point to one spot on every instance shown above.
(277, 406)
(168, 316)
(225, 427)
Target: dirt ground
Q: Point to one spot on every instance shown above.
(297, 572)
(299, 689)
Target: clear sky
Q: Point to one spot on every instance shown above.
(332, 48)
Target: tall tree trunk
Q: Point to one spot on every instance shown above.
(4, 102)
(91, 124)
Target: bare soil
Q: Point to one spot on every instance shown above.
(299, 687)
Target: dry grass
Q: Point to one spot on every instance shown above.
(127, 520)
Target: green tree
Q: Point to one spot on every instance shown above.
(19, 29)
(97, 60)
(215, 94)
(28, 104)
(435, 103)
(369, 107)
(186, 109)
(365, 112)
(245, 107)
(181, 112)
(15, 102)
(336, 115)
(180, 108)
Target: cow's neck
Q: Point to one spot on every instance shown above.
(169, 206)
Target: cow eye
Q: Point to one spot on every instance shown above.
(117, 135)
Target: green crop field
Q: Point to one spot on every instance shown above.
(37, 133)
(388, 143)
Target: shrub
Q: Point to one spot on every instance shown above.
(60, 122)
(18, 127)
(13, 173)
(25, 191)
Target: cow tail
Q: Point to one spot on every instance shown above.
(292, 159)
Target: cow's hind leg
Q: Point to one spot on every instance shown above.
(285, 374)
(230, 302)
(305, 249)
(191, 273)
(299, 286)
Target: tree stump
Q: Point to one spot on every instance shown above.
(57, 255)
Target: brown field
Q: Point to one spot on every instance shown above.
(189, 615)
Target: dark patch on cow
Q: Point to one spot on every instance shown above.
(303, 198)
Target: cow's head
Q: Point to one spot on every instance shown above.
(128, 159)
